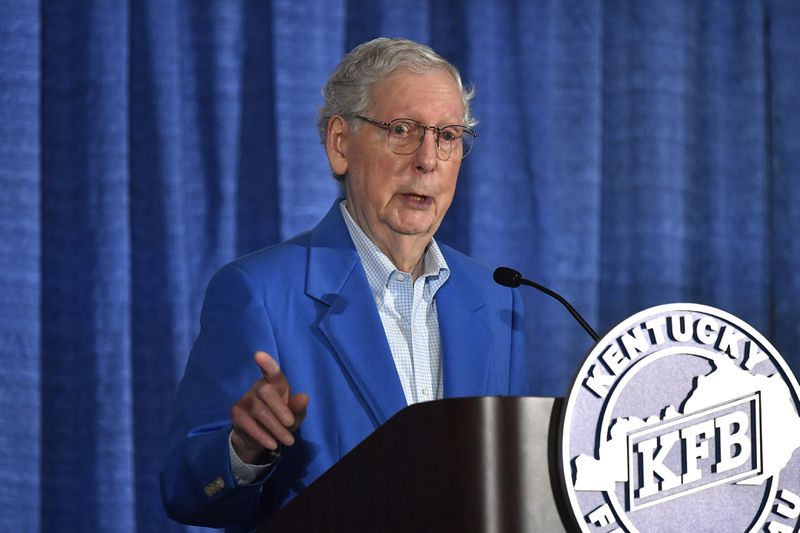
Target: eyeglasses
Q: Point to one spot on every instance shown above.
(404, 136)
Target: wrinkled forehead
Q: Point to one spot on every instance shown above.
(409, 93)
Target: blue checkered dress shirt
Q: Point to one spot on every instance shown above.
(407, 309)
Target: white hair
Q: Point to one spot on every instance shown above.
(347, 92)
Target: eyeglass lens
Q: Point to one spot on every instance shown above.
(406, 136)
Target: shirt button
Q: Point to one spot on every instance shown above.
(378, 300)
(401, 277)
(426, 392)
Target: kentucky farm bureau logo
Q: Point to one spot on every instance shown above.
(683, 418)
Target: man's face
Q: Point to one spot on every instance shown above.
(401, 198)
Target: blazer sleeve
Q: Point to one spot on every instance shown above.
(197, 484)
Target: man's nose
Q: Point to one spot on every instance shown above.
(427, 154)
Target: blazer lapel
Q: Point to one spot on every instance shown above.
(351, 323)
(466, 340)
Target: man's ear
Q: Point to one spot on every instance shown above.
(336, 144)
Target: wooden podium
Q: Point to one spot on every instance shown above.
(461, 465)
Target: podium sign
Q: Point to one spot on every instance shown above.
(683, 418)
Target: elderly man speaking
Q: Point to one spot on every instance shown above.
(363, 315)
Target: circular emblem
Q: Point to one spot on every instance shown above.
(683, 418)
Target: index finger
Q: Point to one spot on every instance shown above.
(270, 368)
(268, 365)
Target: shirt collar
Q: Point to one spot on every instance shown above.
(379, 268)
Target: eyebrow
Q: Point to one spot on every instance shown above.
(446, 122)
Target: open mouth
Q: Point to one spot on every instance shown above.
(418, 200)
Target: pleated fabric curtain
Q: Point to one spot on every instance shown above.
(629, 154)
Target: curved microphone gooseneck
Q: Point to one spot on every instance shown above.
(509, 277)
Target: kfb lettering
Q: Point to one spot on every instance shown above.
(694, 452)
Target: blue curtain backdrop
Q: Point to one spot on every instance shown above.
(631, 153)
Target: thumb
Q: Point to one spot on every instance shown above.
(298, 404)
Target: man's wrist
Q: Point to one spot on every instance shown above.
(246, 472)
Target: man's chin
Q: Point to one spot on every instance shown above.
(421, 229)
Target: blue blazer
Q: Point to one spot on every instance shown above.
(307, 302)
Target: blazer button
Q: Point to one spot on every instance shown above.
(214, 487)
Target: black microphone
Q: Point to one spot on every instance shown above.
(509, 277)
